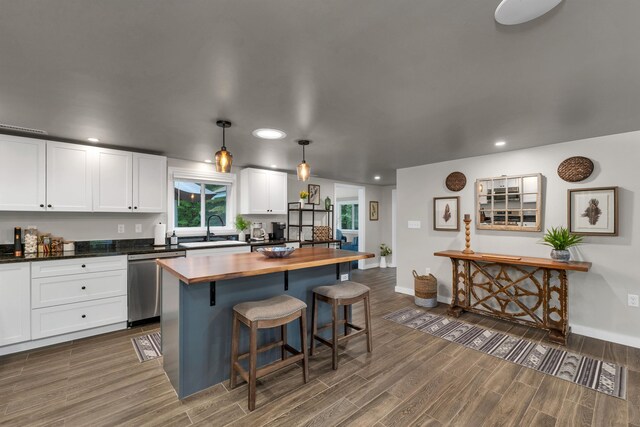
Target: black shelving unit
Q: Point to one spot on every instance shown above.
(301, 213)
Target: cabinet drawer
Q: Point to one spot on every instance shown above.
(77, 266)
(63, 319)
(49, 291)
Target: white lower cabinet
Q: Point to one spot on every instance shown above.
(66, 318)
(15, 304)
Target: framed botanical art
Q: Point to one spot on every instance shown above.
(314, 194)
(446, 213)
(373, 211)
(593, 211)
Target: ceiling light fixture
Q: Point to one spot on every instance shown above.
(93, 139)
(304, 171)
(223, 157)
(377, 177)
(500, 144)
(274, 166)
(514, 12)
(266, 133)
(207, 161)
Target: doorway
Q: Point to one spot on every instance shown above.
(350, 219)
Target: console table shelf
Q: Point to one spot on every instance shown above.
(526, 290)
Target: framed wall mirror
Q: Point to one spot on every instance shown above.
(512, 203)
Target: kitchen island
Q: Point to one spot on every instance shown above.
(198, 295)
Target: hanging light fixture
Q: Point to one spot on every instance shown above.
(303, 168)
(223, 157)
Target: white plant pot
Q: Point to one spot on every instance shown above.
(242, 236)
(383, 262)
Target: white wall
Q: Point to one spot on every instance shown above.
(598, 299)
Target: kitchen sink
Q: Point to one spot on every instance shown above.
(212, 244)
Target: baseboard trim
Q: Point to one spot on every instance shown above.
(406, 291)
(369, 266)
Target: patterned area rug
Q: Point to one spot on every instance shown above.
(601, 376)
(147, 347)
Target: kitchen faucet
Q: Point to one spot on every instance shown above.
(208, 237)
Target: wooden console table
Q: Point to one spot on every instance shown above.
(526, 290)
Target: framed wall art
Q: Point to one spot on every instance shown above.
(593, 211)
(373, 211)
(446, 213)
(314, 194)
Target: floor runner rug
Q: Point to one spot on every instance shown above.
(147, 347)
(601, 376)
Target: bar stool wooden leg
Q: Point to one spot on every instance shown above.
(314, 324)
(253, 365)
(303, 344)
(283, 332)
(235, 338)
(346, 319)
(367, 319)
(334, 317)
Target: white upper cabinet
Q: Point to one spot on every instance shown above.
(149, 183)
(263, 192)
(15, 303)
(22, 174)
(112, 181)
(69, 177)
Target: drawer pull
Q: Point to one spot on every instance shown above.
(83, 266)
(84, 287)
(84, 315)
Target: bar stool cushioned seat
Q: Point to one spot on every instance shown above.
(343, 290)
(269, 309)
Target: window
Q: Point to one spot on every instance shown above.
(198, 196)
(348, 216)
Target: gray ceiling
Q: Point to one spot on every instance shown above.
(376, 84)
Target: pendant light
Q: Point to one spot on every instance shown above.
(223, 157)
(304, 171)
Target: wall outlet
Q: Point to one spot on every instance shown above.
(414, 224)
(633, 300)
(138, 228)
(120, 228)
(344, 277)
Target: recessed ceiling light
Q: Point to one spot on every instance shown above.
(514, 12)
(377, 177)
(93, 140)
(266, 133)
(207, 161)
(274, 166)
(500, 143)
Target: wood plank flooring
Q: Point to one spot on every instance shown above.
(411, 379)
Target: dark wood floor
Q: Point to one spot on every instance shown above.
(410, 379)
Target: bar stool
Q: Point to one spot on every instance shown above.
(345, 294)
(269, 313)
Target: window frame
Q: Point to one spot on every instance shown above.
(353, 217)
(202, 177)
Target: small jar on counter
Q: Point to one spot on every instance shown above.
(69, 246)
(56, 245)
(44, 244)
(31, 240)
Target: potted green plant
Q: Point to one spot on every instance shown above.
(561, 239)
(384, 252)
(241, 224)
(303, 197)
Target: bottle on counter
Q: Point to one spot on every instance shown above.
(17, 241)
(174, 238)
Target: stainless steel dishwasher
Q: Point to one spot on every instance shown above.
(144, 293)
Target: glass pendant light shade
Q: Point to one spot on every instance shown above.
(304, 171)
(223, 157)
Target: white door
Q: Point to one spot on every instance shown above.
(149, 183)
(15, 303)
(112, 187)
(22, 174)
(258, 191)
(277, 193)
(68, 177)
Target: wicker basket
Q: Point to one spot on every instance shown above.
(321, 232)
(426, 290)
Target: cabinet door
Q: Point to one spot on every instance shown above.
(277, 193)
(149, 183)
(112, 187)
(68, 177)
(22, 174)
(15, 303)
(258, 191)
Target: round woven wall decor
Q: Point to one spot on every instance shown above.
(575, 169)
(456, 181)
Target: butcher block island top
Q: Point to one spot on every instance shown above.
(231, 266)
(517, 260)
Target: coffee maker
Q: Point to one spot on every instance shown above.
(257, 232)
(278, 230)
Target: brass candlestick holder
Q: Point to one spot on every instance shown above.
(467, 233)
